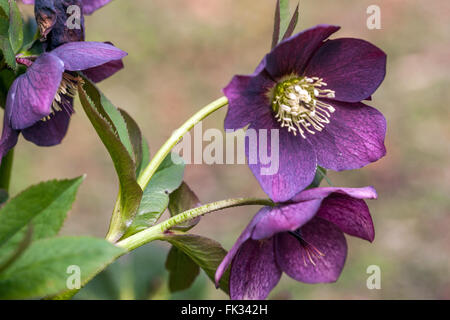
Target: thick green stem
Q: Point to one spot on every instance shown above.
(157, 231)
(149, 171)
(5, 170)
(176, 137)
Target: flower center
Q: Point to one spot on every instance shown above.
(63, 97)
(297, 106)
(309, 253)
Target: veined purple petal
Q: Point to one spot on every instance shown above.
(353, 68)
(353, 138)
(296, 159)
(31, 94)
(28, 1)
(285, 218)
(104, 71)
(318, 257)
(8, 140)
(351, 215)
(50, 132)
(248, 98)
(292, 55)
(89, 6)
(254, 271)
(81, 55)
(321, 193)
(245, 235)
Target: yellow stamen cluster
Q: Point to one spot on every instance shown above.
(296, 105)
(67, 89)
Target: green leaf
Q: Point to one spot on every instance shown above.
(206, 253)
(48, 221)
(3, 196)
(42, 269)
(181, 200)
(4, 25)
(112, 114)
(7, 77)
(155, 199)
(292, 24)
(145, 157)
(130, 192)
(283, 25)
(8, 52)
(4, 6)
(182, 270)
(135, 137)
(15, 26)
(50, 199)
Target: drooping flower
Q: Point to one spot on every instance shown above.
(52, 18)
(303, 238)
(311, 89)
(40, 102)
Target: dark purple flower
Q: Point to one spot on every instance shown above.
(311, 89)
(303, 238)
(55, 23)
(40, 102)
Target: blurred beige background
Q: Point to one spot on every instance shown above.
(182, 52)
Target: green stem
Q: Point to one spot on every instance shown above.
(151, 168)
(5, 170)
(115, 224)
(157, 231)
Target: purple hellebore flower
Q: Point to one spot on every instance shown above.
(311, 90)
(40, 102)
(303, 238)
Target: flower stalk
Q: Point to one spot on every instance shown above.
(156, 232)
(149, 171)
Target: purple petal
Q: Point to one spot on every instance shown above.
(50, 132)
(31, 94)
(353, 68)
(321, 193)
(248, 98)
(245, 235)
(285, 218)
(80, 55)
(292, 54)
(351, 215)
(104, 71)
(296, 159)
(254, 271)
(89, 6)
(353, 138)
(8, 140)
(28, 1)
(320, 255)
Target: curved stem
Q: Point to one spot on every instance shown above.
(149, 171)
(151, 168)
(157, 231)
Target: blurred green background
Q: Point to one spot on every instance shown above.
(181, 54)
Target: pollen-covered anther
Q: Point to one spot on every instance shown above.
(67, 90)
(297, 107)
